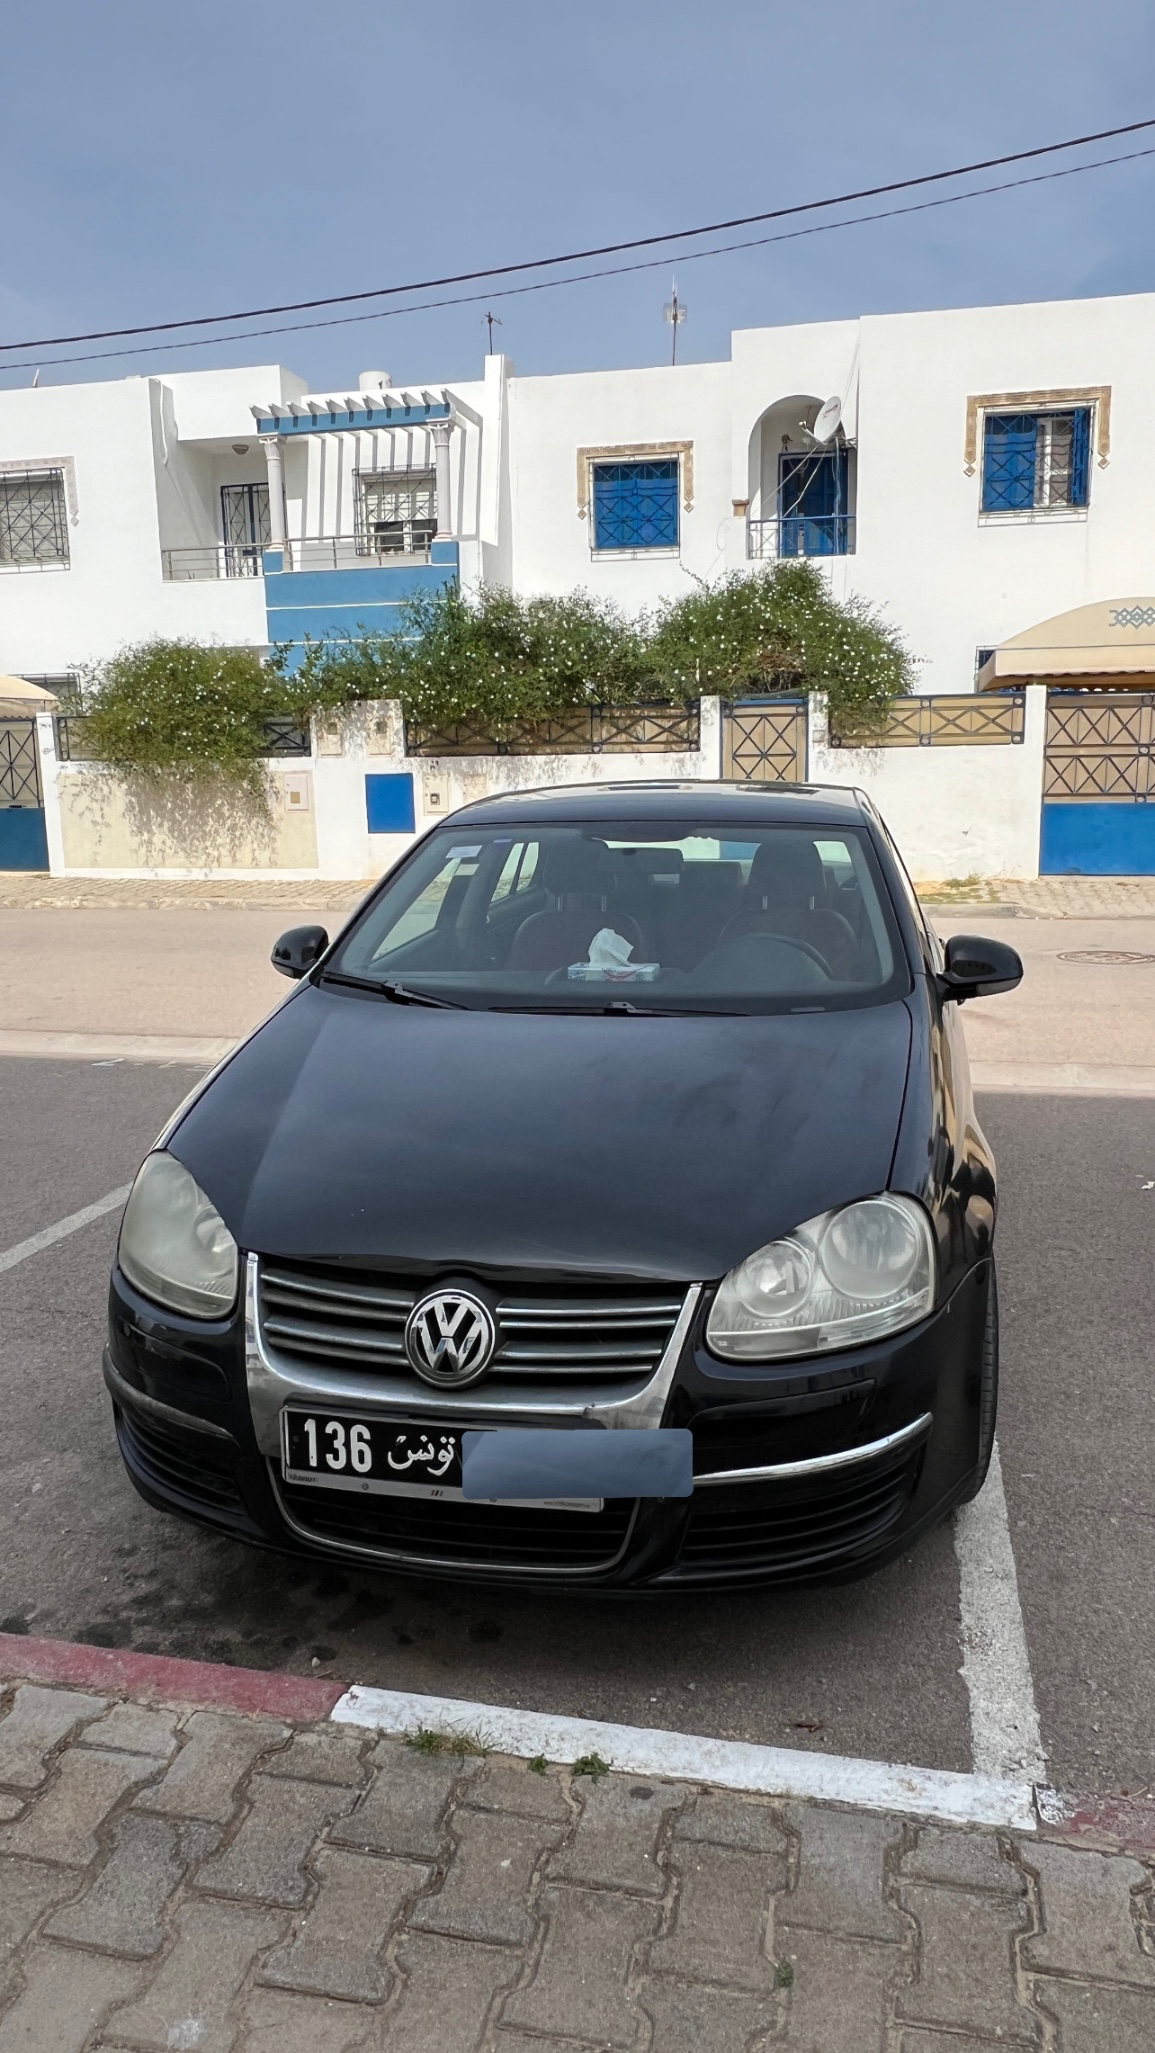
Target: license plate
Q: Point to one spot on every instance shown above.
(387, 1458)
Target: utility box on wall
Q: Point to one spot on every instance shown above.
(389, 802)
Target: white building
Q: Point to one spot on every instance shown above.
(990, 472)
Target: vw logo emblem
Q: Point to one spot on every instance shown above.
(450, 1338)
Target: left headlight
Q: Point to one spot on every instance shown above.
(845, 1277)
(174, 1245)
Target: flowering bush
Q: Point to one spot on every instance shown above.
(493, 658)
(176, 709)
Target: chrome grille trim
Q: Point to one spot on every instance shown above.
(317, 1319)
(637, 1398)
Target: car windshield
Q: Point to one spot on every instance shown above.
(632, 916)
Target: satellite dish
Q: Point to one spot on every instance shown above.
(829, 415)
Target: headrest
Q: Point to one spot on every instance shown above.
(787, 870)
(648, 862)
(576, 866)
(711, 880)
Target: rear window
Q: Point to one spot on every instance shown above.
(673, 919)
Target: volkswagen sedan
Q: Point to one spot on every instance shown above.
(605, 1206)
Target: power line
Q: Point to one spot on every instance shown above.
(582, 256)
(588, 277)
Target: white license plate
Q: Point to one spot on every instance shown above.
(327, 1450)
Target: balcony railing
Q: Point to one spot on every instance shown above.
(222, 559)
(349, 552)
(801, 534)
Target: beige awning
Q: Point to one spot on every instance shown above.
(18, 697)
(1109, 646)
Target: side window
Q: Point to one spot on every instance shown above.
(1036, 461)
(517, 873)
(429, 908)
(922, 924)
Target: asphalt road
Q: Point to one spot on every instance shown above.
(869, 1669)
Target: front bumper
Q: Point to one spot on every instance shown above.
(804, 1472)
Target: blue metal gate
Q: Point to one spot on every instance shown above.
(1099, 785)
(23, 841)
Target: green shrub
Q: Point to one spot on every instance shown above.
(780, 630)
(169, 709)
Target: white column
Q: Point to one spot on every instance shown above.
(275, 460)
(442, 430)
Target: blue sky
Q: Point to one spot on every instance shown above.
(160, 162)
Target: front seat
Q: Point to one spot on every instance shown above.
(578, 876)
(786, 894)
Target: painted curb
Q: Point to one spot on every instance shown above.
(200, 1050)
(1066, 1079)
(689, 1757)
(157, 1678)
(1113, 1823)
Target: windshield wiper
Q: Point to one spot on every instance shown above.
(621, 1006)
(397, 994)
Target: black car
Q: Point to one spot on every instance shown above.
(636, 1107)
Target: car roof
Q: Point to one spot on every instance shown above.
(713, 802)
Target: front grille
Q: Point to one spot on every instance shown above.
(794, 1527)
(311, 1313)
(478, 1535)
(171, 1462)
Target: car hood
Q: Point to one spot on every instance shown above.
(350, 1128)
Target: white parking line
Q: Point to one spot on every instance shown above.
(63, 1227)
(1005, 1738)
(692, 1757)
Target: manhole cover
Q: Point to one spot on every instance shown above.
(1105, 955)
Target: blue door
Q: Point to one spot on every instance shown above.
(23, 841)
(813, 494)
(1099, 785)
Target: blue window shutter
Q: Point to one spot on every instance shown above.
(636, 504)
(1081, 456)
(1009, 462)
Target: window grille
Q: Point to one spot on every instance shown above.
(636, 504)
(33, 522)
(813, 503)
(1033, 461)
(246, 529)
(396, 512)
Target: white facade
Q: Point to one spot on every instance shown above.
(144, 461)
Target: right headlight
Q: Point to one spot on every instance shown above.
(174, 1245)
(847, 1276)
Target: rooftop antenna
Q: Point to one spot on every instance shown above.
(675, 313)
(35, 379)
(491, 321)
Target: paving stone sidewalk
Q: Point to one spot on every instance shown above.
(193, 1881)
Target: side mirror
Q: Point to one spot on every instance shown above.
(297, 951)
(978, 969)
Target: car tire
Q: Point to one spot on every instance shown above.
(988, 1390)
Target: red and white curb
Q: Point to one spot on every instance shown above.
(1112, 1822)
(641, 1750)
(691, 1757)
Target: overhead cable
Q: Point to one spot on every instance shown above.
(582, 256)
